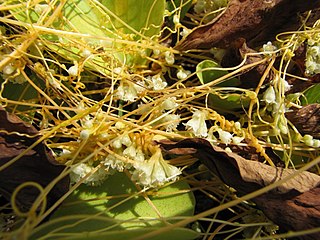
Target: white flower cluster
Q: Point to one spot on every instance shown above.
(156, 82)
(94, 178)
(155, 171)
(170, 121)
(149, 171)
(164, 113)
(226, 137)
(128, 91)
(313, 57)
(272, 98)
(310, 141)
(197, 124)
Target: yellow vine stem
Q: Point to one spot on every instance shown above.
(33, 35)
(31, 212)
(249, 134)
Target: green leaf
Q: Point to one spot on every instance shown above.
(207, 71)
(20, 91)
(229, 101)
(311, 95)
(185, 5)
(115, 206)
(119, 20)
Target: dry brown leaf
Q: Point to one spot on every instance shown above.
(297, 200)
(306, 119)
(256, 21)
(37, 165)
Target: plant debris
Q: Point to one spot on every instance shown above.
(256, 21)
(37, 165)
(293, 205)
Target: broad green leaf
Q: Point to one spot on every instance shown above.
(104, 23)
(311, 95)
(20, 91)
(208, 71)
(114, 206)
(230, 101)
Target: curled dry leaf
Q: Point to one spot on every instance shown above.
(256, 21)
(36, 165)
(306, 119)
(236, 54)
(293, 205)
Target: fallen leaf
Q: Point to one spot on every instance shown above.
(306, 119)
(36, 165)
(294, 205)
(256, 21)
(238, 52)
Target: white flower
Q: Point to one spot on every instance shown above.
(183, 74)
(316, 143)
(169, 57)
(134, 153)
(73, 70)
(125, 140)
(313, 58)
(113, 162)
(140, 86)
(308, 140)
(65, 152)
(118, 70)
(127, 91)
(81, 170)
(286, 85)
(155, 171)
(169, 103)
(269, 47)
(176, 19)
(8, 69)
(237, 140)
(269, 95)
(120, 125)
(85, 134)
(157, 83)
(237, 125)
(172, 121)
(122, 140)
(130, 152)
(225, 136)
(117, 143)
(88, 123)
(86, 53)
(197, 123)
(184, 32)
(40, 8)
